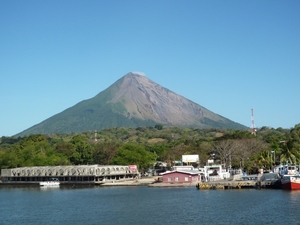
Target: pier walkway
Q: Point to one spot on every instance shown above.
(226, 184)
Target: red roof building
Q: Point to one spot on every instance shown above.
(180, 176)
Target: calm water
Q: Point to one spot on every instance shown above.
(143, 205)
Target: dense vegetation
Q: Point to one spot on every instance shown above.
(144, 146)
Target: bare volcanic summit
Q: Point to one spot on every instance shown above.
(132, 101)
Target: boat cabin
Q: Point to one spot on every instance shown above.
(286, 169)
(214, 172)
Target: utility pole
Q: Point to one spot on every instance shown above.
(273, 152)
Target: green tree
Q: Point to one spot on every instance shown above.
(10, 158)
(236, 134)
(104, 152)
(83, 150)
(158, 149)
(294, 142)
(65, 148)
(159, 126)
(134, 154)
(35, 150)
(287, 155)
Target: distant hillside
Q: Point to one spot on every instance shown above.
(132, 101)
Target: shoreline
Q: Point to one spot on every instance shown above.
(150, 182)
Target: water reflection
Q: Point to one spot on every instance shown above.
(143, 205)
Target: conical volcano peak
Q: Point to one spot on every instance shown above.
(133, 79)
(136, 73)
(132, 101)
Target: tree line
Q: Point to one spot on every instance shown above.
(144, 146)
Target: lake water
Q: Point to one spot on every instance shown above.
(147, 205)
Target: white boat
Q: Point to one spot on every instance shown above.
(290, 177)
(53, 182)
(290, 182)
(214, 173)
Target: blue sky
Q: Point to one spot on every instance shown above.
(227, 56)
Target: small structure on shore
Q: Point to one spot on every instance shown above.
(180, 176)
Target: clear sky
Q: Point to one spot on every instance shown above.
(227, 56)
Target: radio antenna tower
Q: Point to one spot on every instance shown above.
(253, 129)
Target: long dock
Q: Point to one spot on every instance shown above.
(239, 184)
(224, 184)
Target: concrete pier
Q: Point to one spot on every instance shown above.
(239, 184)
(224, 184)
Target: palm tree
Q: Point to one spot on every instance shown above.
(264, 159)
(288, 156)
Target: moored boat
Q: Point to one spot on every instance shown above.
(290, 182)
(290, 177)
(53, 182)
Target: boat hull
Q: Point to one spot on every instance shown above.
(49, 184)
(290, 182)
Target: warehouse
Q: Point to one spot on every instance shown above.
(96, 174)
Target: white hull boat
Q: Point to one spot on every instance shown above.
(290, 182)
(54, 182)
